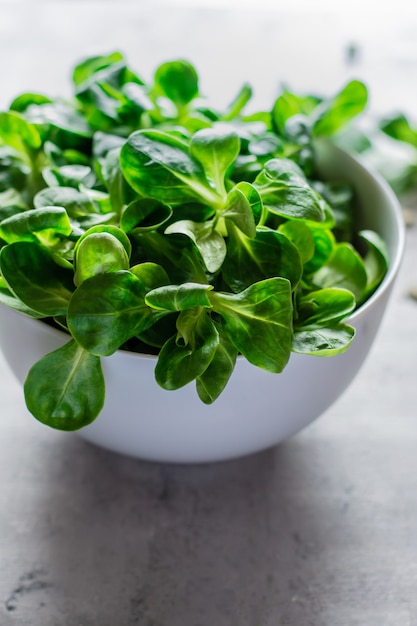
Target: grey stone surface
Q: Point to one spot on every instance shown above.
(319, 531)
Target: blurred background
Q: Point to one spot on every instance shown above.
(306, 45)
(312, 48)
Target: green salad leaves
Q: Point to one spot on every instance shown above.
(136, 216)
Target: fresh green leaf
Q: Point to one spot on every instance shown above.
(110, 173)
(186, 356)
(19, 134)
(68, 176)
(179, 297)
(239, 210)
(110, 229)
(107, 310)
(336, 112)
(344, 269)
(90, 66)
(255, 202)
(151, 275)
(324, 245)
(211, 383)
(399, 127)
(99, 253)
(258, 322)
(208, 241)
(74, 201)
(288, 105)
(46, 225)
(22, 102)
(178, 81)
(301, 236)
(249, 261)
(61, 123)
(324, 307)
(65, 389)
(286, 192)
(376, 261)
(158, 165)
(216, 149)
(323, 341)
(144, 214)
(35, 278)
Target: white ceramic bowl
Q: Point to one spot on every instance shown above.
(257, 409)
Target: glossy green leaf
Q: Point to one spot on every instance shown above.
(323, 341)
(110, 229)
(216, 149)
(288, 105)
(253, 197)
(399, 127)
(211, 383)
(152, 339)
(324, 307)
(179, 297)
(137, 95)
(99, 253)
(65, 389)
(324, 245)
(258, 322)
(59, 157)
(336, 112)
(47, 224)
(68, 176)
(158, 165)
(181, 361)
(302, 238)
(208, 241)
(35, 278)
(100, 199)
(344, 269)
(338, 198)
(91, 65)
(285, 191)
(169, 252)
(107, 310)
(239, 210)
(22, 102)
(18, 133)
(103, 98)
(76, 203)
(61, 123)
(151, 275)
(145, 214)
(178, 81)
(104, 143)
(110, 173)
(270, 254)
(376, 261)
(15, 175)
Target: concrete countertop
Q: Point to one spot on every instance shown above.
(318, 531)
